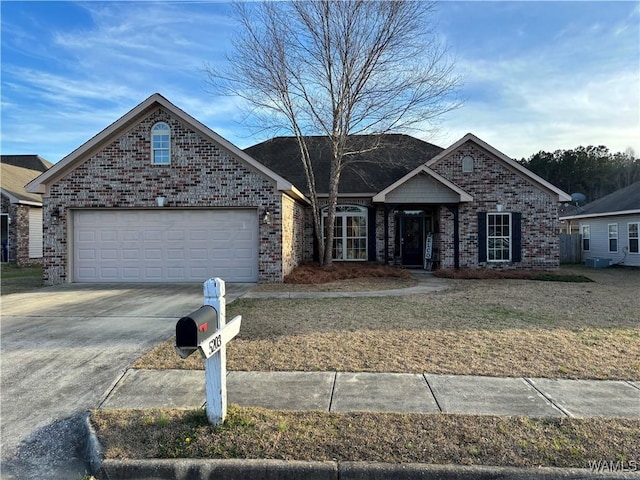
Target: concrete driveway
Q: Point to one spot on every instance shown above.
(62, 350)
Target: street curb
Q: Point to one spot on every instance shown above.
(241, 469)
(93, 452)
(238, 469)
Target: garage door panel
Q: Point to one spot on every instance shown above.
(165, 245)
(130, 254)
(108, 254)
(131, 274)
(130, 235)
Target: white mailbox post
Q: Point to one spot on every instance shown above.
(193, 332)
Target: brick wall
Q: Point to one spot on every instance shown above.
(201, 174)
(18, 233)
(293, 228)
(10, 210)
(492, 183)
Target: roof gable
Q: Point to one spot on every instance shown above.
(82, 153)
(14, 179)
(371, 171)
(444, 191)
(510, 163)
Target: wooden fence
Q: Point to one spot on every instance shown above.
(570, 248)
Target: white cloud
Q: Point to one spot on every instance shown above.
(581, 88)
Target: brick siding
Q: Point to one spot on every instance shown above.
(492, 183)
(18, 233)
(201, 174)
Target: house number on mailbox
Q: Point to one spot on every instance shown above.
(215, 344)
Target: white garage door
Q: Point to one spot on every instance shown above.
(165, 245)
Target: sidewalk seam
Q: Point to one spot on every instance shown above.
(632, 384)
(113, 386)
(424, 375)
(548, 398)
(333, 390)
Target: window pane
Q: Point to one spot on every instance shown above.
(613, 244)
(161, 156)
(633, 237)
(498, 237)
(349, 232)
(337, 248)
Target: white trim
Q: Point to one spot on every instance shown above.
(154, 149)
(15, 200)
(68, 163)
(464, 196)
(469, 137)
(362, 213)
(585, 236)
(510, 237)
(609, 237)
(629, 238)
(596, 215)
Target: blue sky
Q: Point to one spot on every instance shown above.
(538, 75)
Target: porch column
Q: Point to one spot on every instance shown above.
(456, 235)
(386, 234)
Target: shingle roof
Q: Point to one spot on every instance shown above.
(13, 181)
(627, 198)
(31, 162)
(373, 171)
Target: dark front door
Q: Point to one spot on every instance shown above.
(412, 240)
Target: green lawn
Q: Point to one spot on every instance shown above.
(15, 279)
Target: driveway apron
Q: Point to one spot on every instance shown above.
(63, 348)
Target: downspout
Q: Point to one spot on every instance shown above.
(456, 235)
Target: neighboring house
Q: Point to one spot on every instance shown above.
(610, 228)
(21, 215)
(158, 196)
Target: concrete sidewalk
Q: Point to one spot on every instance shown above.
(383, 392)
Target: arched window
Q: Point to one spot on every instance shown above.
(349, 233)
(160, 144)
(467, 164)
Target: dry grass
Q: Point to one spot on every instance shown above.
(489, 327)
(438, 439)
(313, 273)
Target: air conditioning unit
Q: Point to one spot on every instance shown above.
(598, 262)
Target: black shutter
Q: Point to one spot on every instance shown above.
(482, 237)
(371, 226)
(516, 237)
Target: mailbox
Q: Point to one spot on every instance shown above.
(194, 329)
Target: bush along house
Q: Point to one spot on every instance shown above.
(159, 197)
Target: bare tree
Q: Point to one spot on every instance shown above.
(339, 68)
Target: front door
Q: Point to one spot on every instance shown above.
(412, 240)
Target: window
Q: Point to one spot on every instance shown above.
(585, 230)
(349, 233)
(467, 164)
(633, 237)
(613, 237)
(498, 237)
(160, 144)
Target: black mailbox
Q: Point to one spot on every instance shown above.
(194, 329)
